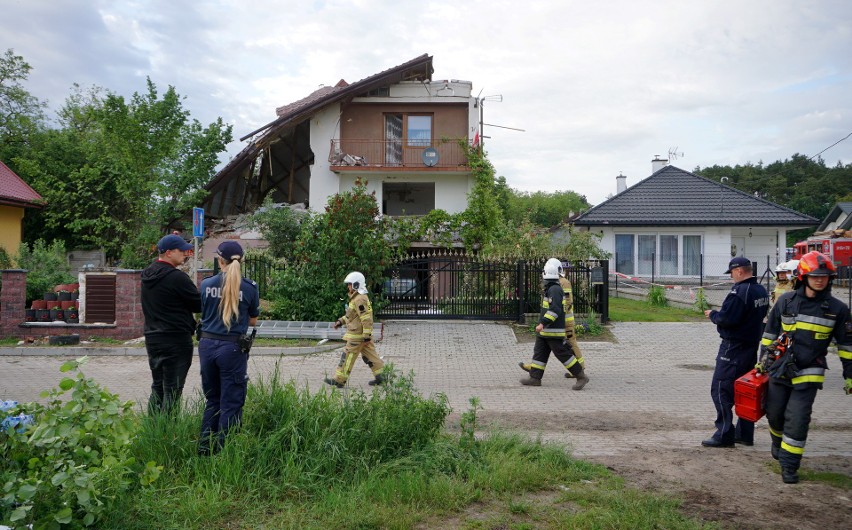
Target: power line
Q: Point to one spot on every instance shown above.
(830, 146)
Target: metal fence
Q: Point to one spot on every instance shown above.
(457, 286)
(260, 268)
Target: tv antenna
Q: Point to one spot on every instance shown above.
(673, 154)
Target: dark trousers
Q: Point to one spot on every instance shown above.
(788, 410)
(224, 380)
(541, 353)
(734, 360)
(169, 361)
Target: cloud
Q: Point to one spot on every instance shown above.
(598, 87)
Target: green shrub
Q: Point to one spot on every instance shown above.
(657, 296)
(701, 304)
(46, 265)
(73, 461)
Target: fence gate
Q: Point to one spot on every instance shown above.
(455, 286)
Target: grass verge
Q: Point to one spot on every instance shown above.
(629, 310)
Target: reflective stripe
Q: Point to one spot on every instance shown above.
(570, 362)
(824, 322)
(545, 303)
(540, 366)
(569, 318)
(844, 353)
(350, 335)
(791, 449)
(816, 328)
(808, 379)
(792, 445)
(555, 334)
(788, 327)
(788, 319)
(767, 342)
(775, 433)
(770, 336)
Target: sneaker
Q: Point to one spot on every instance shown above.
(789, 476)
(531, 381)
(333, 382)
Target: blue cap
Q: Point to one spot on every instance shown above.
(172, 242)
(228, 249)
(739, 261)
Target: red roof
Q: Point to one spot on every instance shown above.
(16, 192)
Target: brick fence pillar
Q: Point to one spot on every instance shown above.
(13, 299)
(129, 320)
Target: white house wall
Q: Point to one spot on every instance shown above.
(324, 182)
(451, 190)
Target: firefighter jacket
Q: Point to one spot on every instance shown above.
(811, 323)
(567, 305)
(358, 318)
(780, 288)
(552, 315)
(740, 319)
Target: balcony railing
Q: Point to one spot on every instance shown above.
(383, 154)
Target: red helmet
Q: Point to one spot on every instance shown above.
(815, 264)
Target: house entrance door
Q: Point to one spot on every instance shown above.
(737, 246)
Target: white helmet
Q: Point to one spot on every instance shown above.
(781, 267)
(552, 269)
(792, 265)
(359, 283)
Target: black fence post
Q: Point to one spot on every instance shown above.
(605, 292)
(653, 267)
(520, 278)
(701, 270)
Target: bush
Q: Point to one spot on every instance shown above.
(657, 296)
(701, 304)
(73, 460)
(47, 267)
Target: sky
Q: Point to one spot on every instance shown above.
(599, 88)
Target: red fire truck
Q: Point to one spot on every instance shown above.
(839, 249)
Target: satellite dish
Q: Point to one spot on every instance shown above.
(430, 156)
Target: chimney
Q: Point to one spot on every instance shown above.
(658, 163)
(620, 183)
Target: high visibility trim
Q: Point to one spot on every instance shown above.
(808, 379)
(845, 354)
(824, 322)
(792, 442)
(775, 433)
(551, 334)
(551, 315)
(545, 303)
(766, 342)
(540, 366)
(790, 449)
(352, 336)
(570, 362)
(569, 318)
(770, 336)
(788, 319)
(814, 327)
(788, 327)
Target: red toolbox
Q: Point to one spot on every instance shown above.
(749, 393)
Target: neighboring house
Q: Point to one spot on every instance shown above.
(839, 218)
(398, 130)
(676, 223)
(15, 196)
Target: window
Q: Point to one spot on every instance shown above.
(668, 255)
(692, 255)
(419, 131)
(393, 139)
(624, 253)
(408, 198)
(647, 251)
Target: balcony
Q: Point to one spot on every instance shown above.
(360, 155)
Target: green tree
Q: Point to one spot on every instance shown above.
(482, 217)
(119, 173)
(21, 113)
(279, 226)
(349, 236)
(545, 209)
(46, 265)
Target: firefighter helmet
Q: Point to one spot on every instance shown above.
(815, 264)
(552, 269)
(359, 283)
(781, 267)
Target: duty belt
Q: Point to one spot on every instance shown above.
(216, 336)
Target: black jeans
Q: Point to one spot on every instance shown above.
(169, 361)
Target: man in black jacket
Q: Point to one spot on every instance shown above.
(740, 324)
(169, 299)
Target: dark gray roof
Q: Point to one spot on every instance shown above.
(840, 207)
(672, 196)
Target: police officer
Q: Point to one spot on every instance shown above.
(358, 320)
(229, 305)
(740, 324)
(811, 317)
(550, 333)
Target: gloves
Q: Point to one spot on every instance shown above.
(336, 324)
(848, 386)
(759, 367)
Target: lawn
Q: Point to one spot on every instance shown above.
(629, 310)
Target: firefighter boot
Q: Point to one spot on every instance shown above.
(333, 382)
(789, 475)
(569, 375)
(524, 367)
(775, 450)
(379, 380)
(530, 381)
(581, 376)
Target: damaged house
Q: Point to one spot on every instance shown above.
(398, 130)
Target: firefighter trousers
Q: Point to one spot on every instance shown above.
(788, 409)
(541, 353)
(575, 348)
(354, 348)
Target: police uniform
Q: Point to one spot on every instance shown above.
(224, 366)
(552, 337)
(358, 320)
(795, 378)
(740, 323)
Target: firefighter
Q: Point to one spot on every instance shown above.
(782, 281)
(550, 333)
(740, 323)
(359, 334)
(811, 317)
